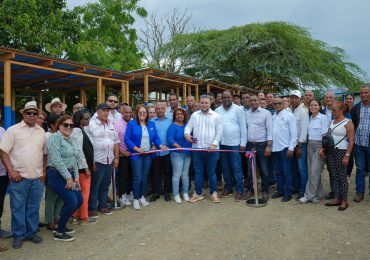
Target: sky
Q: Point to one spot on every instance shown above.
(339, 23)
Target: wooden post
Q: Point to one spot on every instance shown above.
(7, 95)
(184, 94)
(189, 91)
(177, 91)
(172, 91)
(196, 92)
(40, 101)
(83, 97)
(128, 92)
(103, 92)
(13, 107)
(146, 89)
(123, 92)
(99, 91)
(208, 88)
(160, 95)
(64, 98)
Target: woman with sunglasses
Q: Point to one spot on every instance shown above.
(141, 137)
(85, 164)
(343, 133)
(62, 174)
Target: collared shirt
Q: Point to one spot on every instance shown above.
(271, 109)
(103, 137)
(2, 167)
(246, 109)
(113, 117)
(234, 126)
(259, 125)
(63, 154)
(162, 126)
(169, 113)
(26, 147)
(284, 133)
(302, 119)
(120, 126)
(206, 128)
(362, 136)
(317, 126)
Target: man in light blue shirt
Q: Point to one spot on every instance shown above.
(234, 138)
(284, 136)
(162, 175)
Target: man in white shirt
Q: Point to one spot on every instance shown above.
(206, 126)
(259, 135)
(234, 138)
(300, 172)
(106, 151)
(284, 136)
(174, 104)
(113, 115)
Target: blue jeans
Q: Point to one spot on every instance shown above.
(72, 199)
(362, 157)
(300, 171)
(100, 182)
(180, 167)
(140, 169)
(25, 199)
(208, 160)
(283, 170)
(262, 163)
(232, 164)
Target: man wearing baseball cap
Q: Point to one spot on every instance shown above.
(23, 152)
(301, 115)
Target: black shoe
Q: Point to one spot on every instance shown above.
(154, 197)
(329, 196)
(286, 198)
(167, 197)
(36, 239)
(17, 243)
(276, 195)
(66, 230)
(63, 237)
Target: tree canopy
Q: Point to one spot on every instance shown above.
(273, 55)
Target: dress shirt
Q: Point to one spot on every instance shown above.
(259, 125)
(329, 115)
(246, 109)
(78, 138)
(120, 126)
(113, 117)
(363, 130)
(103, 137)
(317, 126)
(162, 126)
(284, 133)
(235, 129)
(206, 128)
(2, 167)
(302, 119)
(63, 155)
(26, 147)
(169, 113)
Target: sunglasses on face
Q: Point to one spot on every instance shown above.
(113, 101)
(32, 113)
(66, 125)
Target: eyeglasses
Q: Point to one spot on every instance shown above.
(142, 112)
(66, 125)
(113, 101)
(278, 103)
(336, 109)
(32, 113)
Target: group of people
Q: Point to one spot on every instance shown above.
(156, 150)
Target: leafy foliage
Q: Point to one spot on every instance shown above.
(273, 55)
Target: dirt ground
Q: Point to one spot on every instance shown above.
(228, 230)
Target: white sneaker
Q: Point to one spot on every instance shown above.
(177, 199)
(136, 205)
(303, 200)
(143, 202)
(186, 196)
(315, 200)
(127, 200)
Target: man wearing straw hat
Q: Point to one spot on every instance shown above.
(56, 106)
(23, 154)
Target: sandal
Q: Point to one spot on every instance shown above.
(215, 198)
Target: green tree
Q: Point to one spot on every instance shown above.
(273, 55)
(41, 26)
(107, 37)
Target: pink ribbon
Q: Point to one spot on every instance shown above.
(248, 154)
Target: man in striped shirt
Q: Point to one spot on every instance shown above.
(207, 128)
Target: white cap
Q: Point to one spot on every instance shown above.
(296, 93)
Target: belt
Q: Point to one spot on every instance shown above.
(255, 143)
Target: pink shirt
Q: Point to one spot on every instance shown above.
(26, 148)
(2, 167)
(120, 127)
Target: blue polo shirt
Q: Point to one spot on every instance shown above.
(162, 126)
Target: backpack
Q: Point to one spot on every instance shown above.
(328, 140)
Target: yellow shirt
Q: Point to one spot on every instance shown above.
(26, 147)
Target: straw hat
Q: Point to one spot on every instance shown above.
(55, 101)
(29, 105)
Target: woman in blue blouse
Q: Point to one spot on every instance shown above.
(141, 136)
(62, 174)
(180, 159)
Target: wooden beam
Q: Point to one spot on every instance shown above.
(47, 63)
(146, 88)
(107, 74)
(7, 94)
(7, 56)
(172, 80)
(81, 69)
